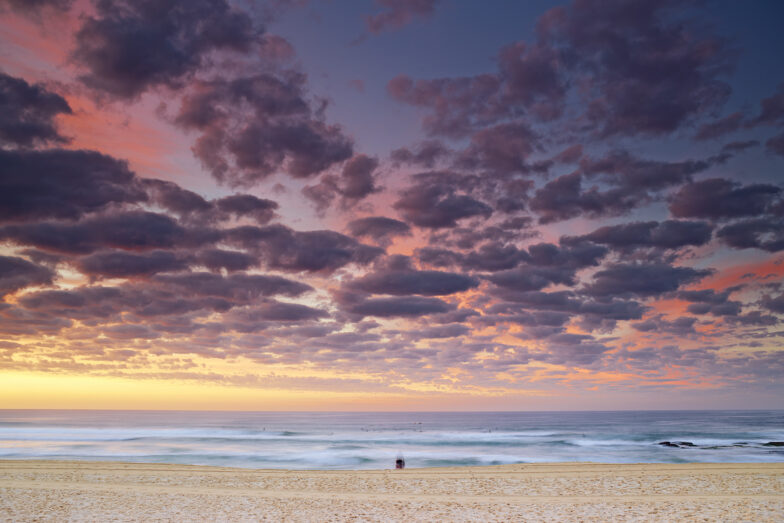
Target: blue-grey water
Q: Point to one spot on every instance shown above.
(319, 440)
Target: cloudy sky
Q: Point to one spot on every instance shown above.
(391, 204)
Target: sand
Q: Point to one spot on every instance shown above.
(103, 491)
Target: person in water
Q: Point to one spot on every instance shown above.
(400, 463)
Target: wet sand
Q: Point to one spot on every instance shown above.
(102, 491)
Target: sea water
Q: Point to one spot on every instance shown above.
(364, 440)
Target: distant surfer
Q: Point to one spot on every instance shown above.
(400, 463)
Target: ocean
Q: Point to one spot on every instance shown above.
(366, 440)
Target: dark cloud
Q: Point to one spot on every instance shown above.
(502, 149)
(18, 273)
(573, 350)
(119, 264)
(439, 257)
(27, 113)
(545, 264)
(128, 230)
(622, 183)
(189, 205)
(532, 278)
(641, 280)
(776, 144)
(771, 109)
(492, 256)
(252, 127)
(398, 13)
(774, 303)
(36, 7)
(314, 251)
(564, 198)
(378, 228)
(514, 229)
(424, 154)
(765, 233)
(355, 182)
(650, 70)
(239, 287)
(545, 312)
(276, 311)
(217, 259)
(433, 203)
(453, 330)
(129, 47)
(683, 326)
(637, 67)
(458, 105)
(247, 205)
(717, 198)
(408, 281)
(408, 306)
(174, 198)
(669, 234)
(357, 177)
(721, 127)
(708, 301)
(36, 185)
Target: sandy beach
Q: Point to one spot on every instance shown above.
(101, 491)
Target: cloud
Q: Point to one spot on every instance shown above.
(718, 198)
(313, 251)
(765, 233)
(546, 264)
(191, 206)
(119, 264)
(723, 126)
(408, 281)
(407, 306)
(458, 105)
(36, 7)
(254, 126)
(650, 70)
(356, 181)
(669, 234)
(217, 259)
(240, 287)
(432, 203)
(637, 68)
(771, 109)
(502, 149)
(128, 230)
(378, 228)
(18, 273)
(623, 182)
(129, 47)
(424, 154)
(453, 330)
(28, 112)
(776, 144)
(641, 280)
(174, 198)
(247, 205)
(683, 326)
(774, 303)
(708, 301)
(56, 183)
(399, 13)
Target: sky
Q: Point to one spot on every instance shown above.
(391, 204)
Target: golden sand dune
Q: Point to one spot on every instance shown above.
(102, 491)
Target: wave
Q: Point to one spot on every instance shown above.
(373, 440)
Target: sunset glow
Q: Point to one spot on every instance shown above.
(374, 205)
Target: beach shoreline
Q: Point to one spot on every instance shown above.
(107, 490)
